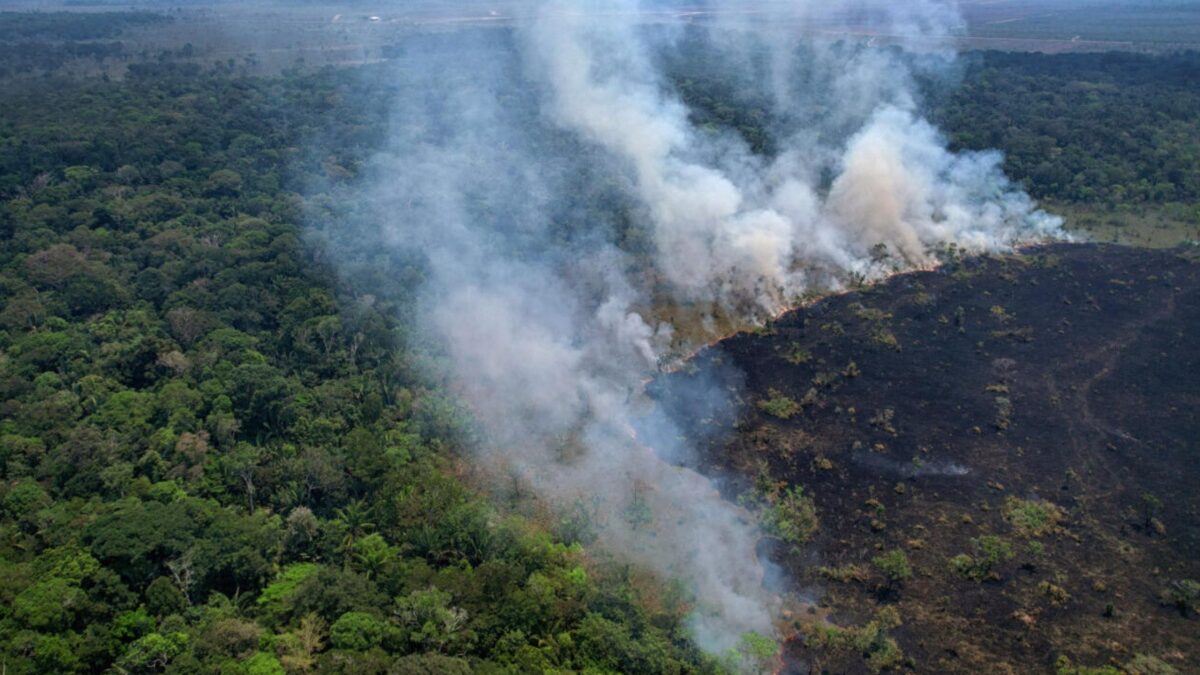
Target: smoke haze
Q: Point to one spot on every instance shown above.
(501, 138)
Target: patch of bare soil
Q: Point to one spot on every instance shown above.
(1026, 429)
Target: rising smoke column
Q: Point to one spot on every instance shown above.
(539, 332)
(540, 337)
(746, 232)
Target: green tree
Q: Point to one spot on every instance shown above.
(152, 653)
(433, 623)
(358, 631)
(163, 597)
(223, 183)
(49, 605)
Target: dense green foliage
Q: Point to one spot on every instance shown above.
(214, 454)
(1117, 129)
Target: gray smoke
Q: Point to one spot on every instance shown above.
(537, 319)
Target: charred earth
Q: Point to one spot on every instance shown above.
(1002, 456)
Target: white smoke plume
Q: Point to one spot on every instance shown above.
(745, 229)
(539, 329)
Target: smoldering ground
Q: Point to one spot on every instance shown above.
(552, 180)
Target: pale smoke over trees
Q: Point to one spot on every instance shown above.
(750, 230)
(538, 328)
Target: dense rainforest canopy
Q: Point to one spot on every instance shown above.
(216, 456)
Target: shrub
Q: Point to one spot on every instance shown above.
(843, 573)
(1184, 594)
(792, 517)
(779, 406)
(894, 566)
(1000, 314)
(871, 641)
(754, 653)
(1057, 595)
(1144, 664)
(963, 565)
(1031, 519)
(883, 420)
(882, 336)
(989, 551)
(797, 355)
(1004, 409)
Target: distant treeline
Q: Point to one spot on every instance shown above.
(25, 26)
(1109, 128)
(45, 42)
(24, 57)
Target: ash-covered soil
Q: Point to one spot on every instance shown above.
(1047, 402)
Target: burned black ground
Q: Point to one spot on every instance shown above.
(1067, 376)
